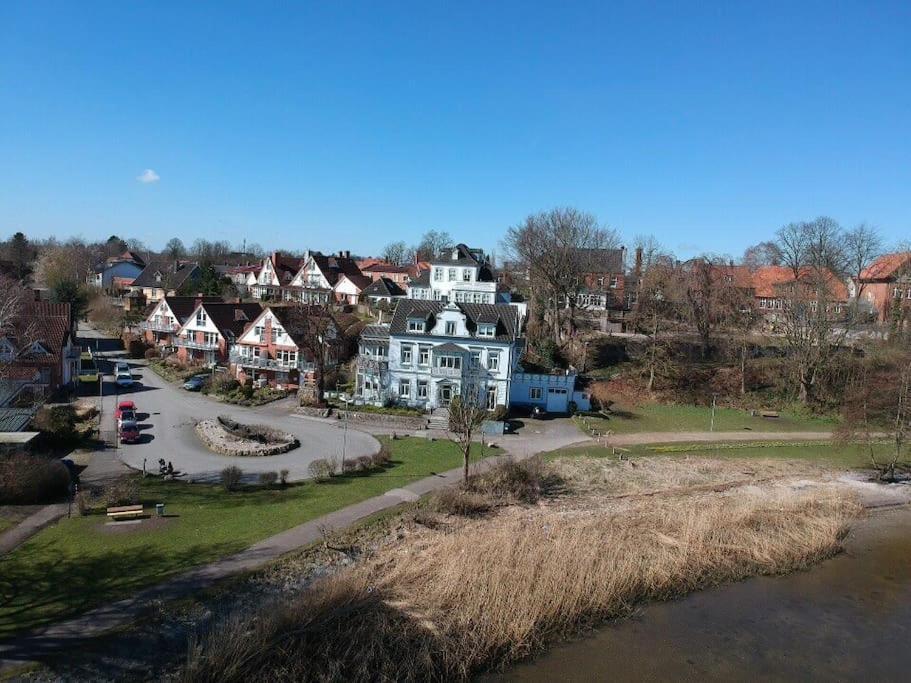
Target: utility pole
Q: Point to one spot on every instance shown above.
(712, 426)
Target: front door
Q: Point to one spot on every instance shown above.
(445, 394)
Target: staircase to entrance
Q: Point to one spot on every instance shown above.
(439, 419)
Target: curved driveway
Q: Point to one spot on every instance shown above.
(168, 414)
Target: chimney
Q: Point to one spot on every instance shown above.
(347, 253)
(638, 270)
(198, 299)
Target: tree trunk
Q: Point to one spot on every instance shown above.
(466, 451)
(743, 369)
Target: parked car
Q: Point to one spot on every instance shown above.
(195, 383)
(124, 405)
(124, 379)
(121, 366)
(126, 416)
(129, 431)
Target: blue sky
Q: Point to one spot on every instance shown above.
(348, 125)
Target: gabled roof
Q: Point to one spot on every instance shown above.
(231, 318)
(173, 275)
(381, 267)
(422, 280)
(40, 325)
(459, 255)
(885, 266)
(505, 316)
(359, 281)
(376, 332)
(333, 266)
(768, 279)
(183, 306)
(603, 260)
(285, 267)
(383, 287)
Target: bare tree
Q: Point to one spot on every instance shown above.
(432, 243)
(558, 248)
(654, 309)
(878, 404)
(174, 250)
(16, 328)
(397, 253)
(710, 297)
(862, 246)
(316, 334)
(762, 254)
(467, 413)
(813, 322)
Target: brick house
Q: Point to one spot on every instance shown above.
(38, 349)
(271, 351)
(166, 317)
(774, 287)
(212, 329)
(400, 275)
(885, 286)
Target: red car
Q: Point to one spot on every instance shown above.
(122, 406)
(129, 432)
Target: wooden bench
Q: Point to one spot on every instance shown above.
(125, 511)
(768, 413)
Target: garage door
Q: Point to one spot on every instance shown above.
(556, 401)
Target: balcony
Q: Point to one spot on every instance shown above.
(198, 345)
(453, 373)
(158, 326)
(373, 363)
(265, 363)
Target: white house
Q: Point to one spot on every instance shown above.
(435, 350)
(459, 275)
(323, 277)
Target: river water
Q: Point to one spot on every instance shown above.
(846, 619)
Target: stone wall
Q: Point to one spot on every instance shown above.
(218, 439)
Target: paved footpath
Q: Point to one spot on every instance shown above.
(538, 438)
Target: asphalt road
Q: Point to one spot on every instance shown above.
(167, 415)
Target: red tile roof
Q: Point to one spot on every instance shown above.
(767, 279)
(885, 266)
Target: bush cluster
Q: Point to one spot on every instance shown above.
(457, 501)
(29, 479)
(231, 478)
(320, 469)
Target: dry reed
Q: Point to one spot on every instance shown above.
(445, 605)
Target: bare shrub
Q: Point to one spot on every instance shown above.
(457, 501)
(512, 481)
(320, 469)
(152, 354)
(231, 478)
(28, 479)
(268, 478)
(121, 491)
(383, 457)
(365, 463)
(283, 477)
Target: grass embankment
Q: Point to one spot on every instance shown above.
(458, 596)
(81, 563)
(654, 417)
(821, 452)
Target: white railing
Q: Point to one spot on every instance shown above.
(154, 326)
(265, 363)
(445, 372)
(193, 344)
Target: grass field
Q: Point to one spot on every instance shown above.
(80, 563)
(838, 455)
(655, 417)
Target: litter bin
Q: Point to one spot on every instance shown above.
(159, 509)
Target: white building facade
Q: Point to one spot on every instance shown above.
(460, 275)
(434, 351)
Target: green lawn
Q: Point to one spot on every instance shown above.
(655, 417)
(834, 454)
(80, 563)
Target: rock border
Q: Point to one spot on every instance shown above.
(219, 438)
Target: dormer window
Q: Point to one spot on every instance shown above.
(415, 325)
(450, 328)
(487, 330)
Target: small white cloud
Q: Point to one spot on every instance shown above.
(148, 177)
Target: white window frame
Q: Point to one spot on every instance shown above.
(466, 274)
(404, 388)
(452, 275)
(416, 325)
(406, 356)
(487, 330)
(535, 393)
(437, 274)
(450, 328)
(424, 356)
(423, 388)
(493, 360)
